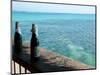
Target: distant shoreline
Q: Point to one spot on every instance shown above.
(51, 13)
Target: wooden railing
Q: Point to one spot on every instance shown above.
(18, 69)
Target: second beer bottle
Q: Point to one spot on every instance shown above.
(34, 44)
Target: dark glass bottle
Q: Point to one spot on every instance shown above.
(34, 44)
(17, 39)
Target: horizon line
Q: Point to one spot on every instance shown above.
(52, 12)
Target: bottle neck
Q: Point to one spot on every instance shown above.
(18, 30)
(35, 30)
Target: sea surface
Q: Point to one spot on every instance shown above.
(69, 34)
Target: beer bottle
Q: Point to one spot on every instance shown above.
(34, 43)
(17, 39)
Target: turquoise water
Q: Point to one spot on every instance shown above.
(71, 35)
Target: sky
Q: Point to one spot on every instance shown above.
(51, 8)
